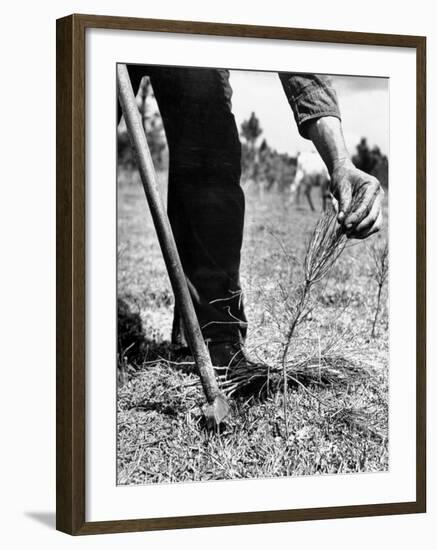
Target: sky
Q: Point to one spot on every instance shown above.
(364, 106)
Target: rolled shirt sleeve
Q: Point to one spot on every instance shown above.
(310, 96)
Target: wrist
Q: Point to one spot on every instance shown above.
(341, 163)
(327, 135)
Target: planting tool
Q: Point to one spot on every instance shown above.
(217, 408)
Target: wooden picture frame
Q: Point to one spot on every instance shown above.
(71, 253)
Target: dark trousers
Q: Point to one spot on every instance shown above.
(205, 200)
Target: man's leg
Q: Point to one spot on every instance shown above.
(205, 200)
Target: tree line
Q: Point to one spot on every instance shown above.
(261, 165)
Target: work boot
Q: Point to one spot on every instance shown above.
(227, 354)
(238, 374)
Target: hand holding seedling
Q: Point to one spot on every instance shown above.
(359, 195)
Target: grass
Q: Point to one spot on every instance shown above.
(334, 418)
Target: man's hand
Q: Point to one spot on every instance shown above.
(359, 197)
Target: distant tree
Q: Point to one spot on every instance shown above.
(264, 146)
(152, 122)
(153, 127)
(363, 158)
(371, 161)
(262, 165)
(251, 130)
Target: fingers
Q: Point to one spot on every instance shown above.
(369, 220)
(344, 202)
(363, 199)
(369, 229)
(360, 197)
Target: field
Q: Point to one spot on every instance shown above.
(334, 418)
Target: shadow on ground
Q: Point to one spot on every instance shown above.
(135, 347)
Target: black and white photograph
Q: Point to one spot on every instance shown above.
(218, 289)
(252, 292)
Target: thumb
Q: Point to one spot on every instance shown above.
(344, 201)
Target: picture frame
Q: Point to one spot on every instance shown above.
(71, 204)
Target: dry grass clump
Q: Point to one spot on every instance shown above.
(326, 369)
